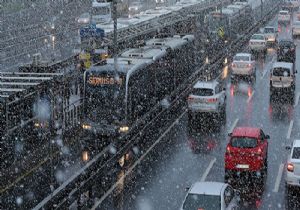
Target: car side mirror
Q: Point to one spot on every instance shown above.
(288, 147)
(267, 137)
(187, 189)
(229, 134)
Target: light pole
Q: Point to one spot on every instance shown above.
(115, 39)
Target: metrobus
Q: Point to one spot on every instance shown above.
(117, 94)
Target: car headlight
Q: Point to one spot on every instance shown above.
(86, 126)
(124, 128)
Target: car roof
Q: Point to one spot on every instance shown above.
(296, 143)
(270, 27)
(243, 54)
(283, 11)
(208, 188)
(246, 131)
(283, 65)
(206, 84)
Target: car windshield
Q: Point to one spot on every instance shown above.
(257, 37)
(243, 142)
(281, 72)
(203, 92)
(269, 30)
(286, 44)
(296, 153)
(207, 202)
(241, 58)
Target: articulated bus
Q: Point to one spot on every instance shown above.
(144, 76)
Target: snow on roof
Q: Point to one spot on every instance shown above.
(243, 54)
(172, 42)
(283, 65)
(228, 11)
(100, 4)
(206, 84)
(208, 188)
(124, 65)
(144, 52)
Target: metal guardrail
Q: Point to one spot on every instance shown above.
(103, 164)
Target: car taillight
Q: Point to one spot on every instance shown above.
(212, 100)
(259, 151)
(290, 167)
(249, 65)
(228, 150)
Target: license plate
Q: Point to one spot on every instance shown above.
(244, 166)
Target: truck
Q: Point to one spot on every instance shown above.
(101, 10)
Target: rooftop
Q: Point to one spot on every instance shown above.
(208, 188)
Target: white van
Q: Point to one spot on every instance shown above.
(282, 77)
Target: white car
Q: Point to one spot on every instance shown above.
(296, 28)
(257, 43)
(284, 16)
(293, 165)
(243, 65)
(211, 196)
(270, 34)
(282, 77)
(207, 97)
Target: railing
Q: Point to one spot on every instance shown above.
(72, 115)
(103, 163)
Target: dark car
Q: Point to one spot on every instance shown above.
(286, 51)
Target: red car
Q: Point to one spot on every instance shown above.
(247, 151)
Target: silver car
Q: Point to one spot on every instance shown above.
(270, 34)
(211, 196)
(296, 28)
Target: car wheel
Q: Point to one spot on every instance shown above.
(266, 165)
(226, 176)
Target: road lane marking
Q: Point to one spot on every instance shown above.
(121, 179)
(267, 69)
(249, 99)
(278, 178)
(233, 125)
(288, 136)
(212, 162)
(297, 99)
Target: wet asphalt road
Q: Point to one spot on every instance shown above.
(160, 180)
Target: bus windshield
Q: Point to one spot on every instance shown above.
(104, 96)
(215, 21)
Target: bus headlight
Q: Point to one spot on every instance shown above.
(85, 156)
(86, 127)
(124, 128)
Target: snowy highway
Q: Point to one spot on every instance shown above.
(161, 178)
(155, 175)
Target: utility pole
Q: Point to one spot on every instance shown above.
(115, 40)
(261, 8)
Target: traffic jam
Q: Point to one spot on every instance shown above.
(190, 105)
(243, 130)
